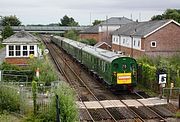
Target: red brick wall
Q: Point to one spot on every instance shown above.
(98, 37)
(18, 61)
(127, 51)
(167, 41)
(90, 36)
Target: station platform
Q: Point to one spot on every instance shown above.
(2, 55)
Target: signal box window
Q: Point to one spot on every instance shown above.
(18, 50)
(25, 52)
(11, 50)
(31, 51)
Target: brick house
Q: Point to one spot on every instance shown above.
(148, 38)
(19, 47)
(101, 32)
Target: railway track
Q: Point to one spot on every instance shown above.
(93, 114)
(83, 90)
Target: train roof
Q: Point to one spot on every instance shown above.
(106, 55)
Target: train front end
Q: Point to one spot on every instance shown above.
(124, 73)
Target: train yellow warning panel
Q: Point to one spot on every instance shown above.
(123, 78)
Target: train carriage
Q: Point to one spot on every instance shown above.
(117, 70)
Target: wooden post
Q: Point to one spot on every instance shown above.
(57, 109)
(179, 100)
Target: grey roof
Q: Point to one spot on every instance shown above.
(139, 28)
(111, 21)
(116, 21)
(93, 29)
(106, 55)
(21, 37)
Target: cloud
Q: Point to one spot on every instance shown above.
(45, 11)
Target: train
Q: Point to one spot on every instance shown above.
(119, 72)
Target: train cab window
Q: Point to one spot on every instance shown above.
(115, 65)
(124, 66)
(132, 67)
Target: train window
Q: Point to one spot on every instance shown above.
(132, 67)
(124, 66)
(115, 65)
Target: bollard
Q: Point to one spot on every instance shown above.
(168, 98)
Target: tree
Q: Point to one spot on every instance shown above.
(168, 14)
(96, 22)
(10, 20)
(7, 32)
(72, 34)
(68, 21)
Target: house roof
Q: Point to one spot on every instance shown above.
(93, 29)
(111, 21)
(21, 37)
(101, 43)
(116, 21)
(142, 29)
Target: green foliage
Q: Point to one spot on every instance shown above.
(72, 34)
(168, 14)
(34, 95)
(11, 21)
(96, 22)
(68, 21)
(7, 117)
(9, 99)
(91, 42)
(7, 32)
(67, 103)
(178, 114)
(47, 73)
(7, 66)
(171, 65)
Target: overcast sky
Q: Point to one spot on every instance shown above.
(51, 11)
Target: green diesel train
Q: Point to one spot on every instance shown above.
(116, 70)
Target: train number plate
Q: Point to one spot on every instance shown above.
(123, 78)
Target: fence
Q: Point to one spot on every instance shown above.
(173, 93)
(24, 99)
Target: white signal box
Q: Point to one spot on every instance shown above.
(162, 78)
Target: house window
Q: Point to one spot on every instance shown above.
(25, 52)
(31, 50)
(153, 43)
(123, 41)
(11, 50)
(18, 50)
(138, 43)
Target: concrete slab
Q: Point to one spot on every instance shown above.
(132, 103)
(80, 105)
(146, 102)
(112, 103)
(157, 101)
(92, 104)
(117, 103)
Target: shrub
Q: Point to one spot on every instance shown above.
(47, 73)
(9, 99)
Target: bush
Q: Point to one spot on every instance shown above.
(9, 99)
(67, 104)
(47, 73)
(91, 42)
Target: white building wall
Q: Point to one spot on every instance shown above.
(127, 41)
(109, 28)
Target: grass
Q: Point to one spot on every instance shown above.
(178, 114)
(147, 91)
(6, 117)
